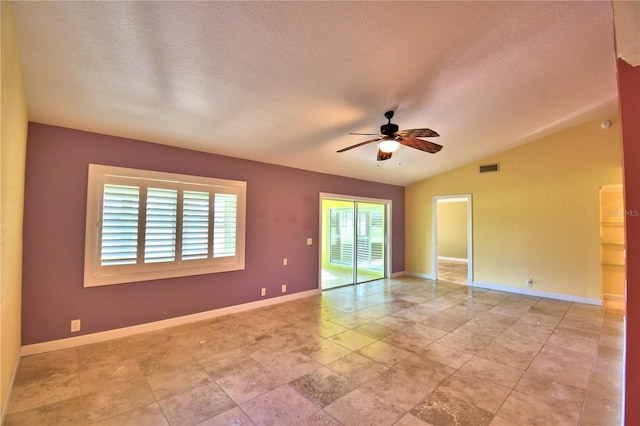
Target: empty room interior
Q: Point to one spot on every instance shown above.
(320, 213)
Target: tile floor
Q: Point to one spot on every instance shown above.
(398, 352)
(453, 272)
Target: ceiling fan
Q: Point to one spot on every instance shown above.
(390, 138)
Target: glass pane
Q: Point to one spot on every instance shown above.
(160, 232)
(119, 243)
(225, 208)
(195, 225)
(370, 242)
(338, 243)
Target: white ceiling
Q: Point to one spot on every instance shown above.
(284, 82)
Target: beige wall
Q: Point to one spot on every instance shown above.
(537, 218)
(13, 143)
(452, 229)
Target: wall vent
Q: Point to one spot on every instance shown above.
(487, 168)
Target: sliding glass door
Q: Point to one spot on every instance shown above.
(353, 242)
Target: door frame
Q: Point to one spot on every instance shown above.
(388, 204)
(434, 246)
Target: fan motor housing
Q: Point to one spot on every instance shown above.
(388, 129)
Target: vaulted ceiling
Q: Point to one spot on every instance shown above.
(285, 82)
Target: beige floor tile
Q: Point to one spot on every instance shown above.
(350, 320)
(602, 407)
(163, 362)
(246, 384)
(321, 418)
(326, 328)
(363, 407)
(120, 374)
(183, 378)
(232, 417)
(508, 356)
(410, 420)
(477, 392)
(578, 340)
(280, 407)
(563, 365)
(352, 340)
(501, 421)
(466, 340)
(394, 323)
(410, 315)
(526, 410)
(414, 338)
(384, 353)
(357, 369)
(491, 371)
(446, 355)
(322, 386)
(67, 412)
(196, 405)
(400, 388)
(219, 364)
(552, 392)
(47, 365)
(44, 392)
(111, 401)
(425, 370)
(374, 330)
(325, 351)
(443, 409)
(290, 366)
(149, 415)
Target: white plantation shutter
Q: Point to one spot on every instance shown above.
(195, 225)
(120, 225)
(224, 225)
(144, 225)
(161, 225)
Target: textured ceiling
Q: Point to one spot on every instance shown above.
(284, 82)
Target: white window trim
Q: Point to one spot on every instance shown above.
(97, 275)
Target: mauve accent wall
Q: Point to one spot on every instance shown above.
(282, 212)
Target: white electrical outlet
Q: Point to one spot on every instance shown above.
(284, 261)
(529, 282)
(309, 241)
(75, 325)
(284, 288)
(263, 292)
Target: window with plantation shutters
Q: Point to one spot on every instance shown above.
(144, 225)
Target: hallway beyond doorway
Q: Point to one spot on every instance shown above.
(453, 272)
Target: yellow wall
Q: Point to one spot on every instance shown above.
(538, 217)
(452, 229)
(13, 143)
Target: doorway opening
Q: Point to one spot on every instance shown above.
(453, 239)
(353, 240)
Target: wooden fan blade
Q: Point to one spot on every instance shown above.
(366, 134)
(383, 155)
(358, 144)
(425, 146)
(417, 133)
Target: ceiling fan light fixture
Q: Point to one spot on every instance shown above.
(388, 145)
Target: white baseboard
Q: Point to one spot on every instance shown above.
(613, 297)
(102, 336)
(453, 259)
(397, 274)
(419, 275)
(538, 293)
